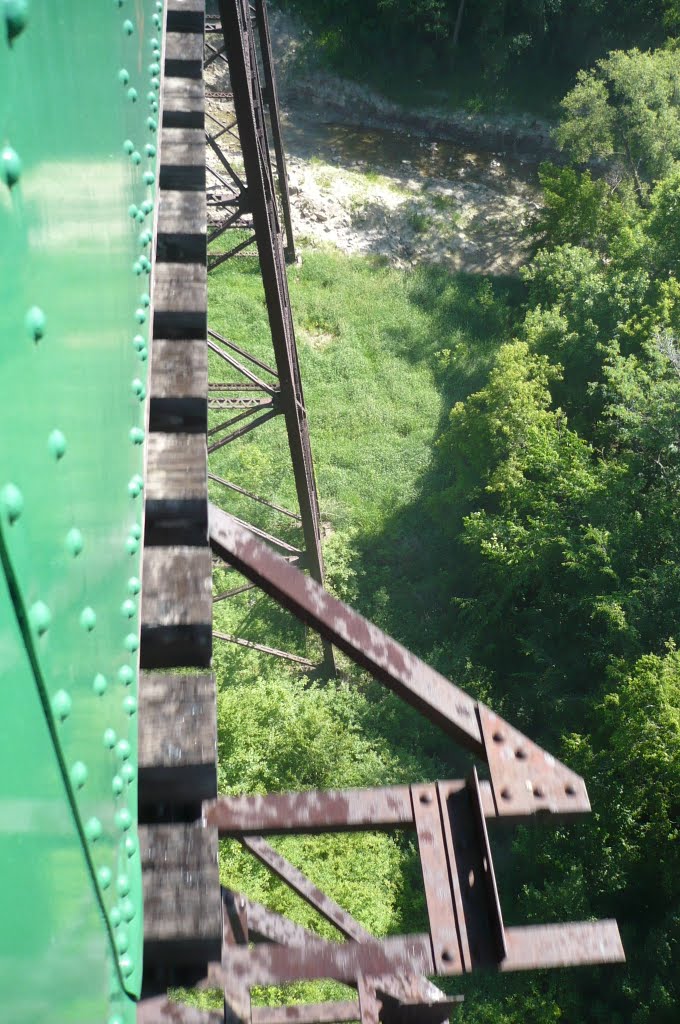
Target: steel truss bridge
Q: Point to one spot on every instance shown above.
(216, 189)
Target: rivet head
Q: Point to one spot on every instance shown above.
(154, 69)
(151, 96)
(36, 323)
(117, 785)
(135, 157)
(132, 95)
(136, 531)
(100, 684)
(147, 205)
(133, 210)
(130, 705)
(154, 44)
(93, 830)
(126, 966)
(123, 750)
(131, 643)
(109, 738)
(156, 19)
(128, 27)
(130, 846)
(140, 315)
(115, 1020)
(128, 772)
(136, 435)
(123, 76)
(145, 238)
(145, 300)
(40, 617)
(140, 217)
(131, 545)
(149, 177)
(126, 675)
(114, 916)
(123, 819)
(128, 608)
(78, 774)
(122, 940)
(88, 619)
(56, 444)
(134, 489)
(61, 705)
(138, 387)
(128, 146)
(155, 84)
(138, 342)
(10, 166)
(127, 909)
(150, 150)
(104, 875)
(123, 885)
(16, 17)
(154, 106)
(134, 585)
(11, 502)
(74, 542)
(152, 124)
(143, 354)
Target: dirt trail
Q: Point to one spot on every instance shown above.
(412, 186)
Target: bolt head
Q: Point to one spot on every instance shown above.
(11, 502)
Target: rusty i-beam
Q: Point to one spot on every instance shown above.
(246, 48)
(466, 927)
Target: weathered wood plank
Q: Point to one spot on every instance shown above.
(180, 300)
(176, 489)
(182, 905)
(181, 232)
(177, 738)
(183, 103)
(182, 159)
(184, 54)
(185, 15)
(179, 385)
(176, 607)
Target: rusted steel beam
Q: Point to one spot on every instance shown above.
(274, 651)
(161, 1010)
(268, 964)
(402, 987)
(562, 945)
(307, 1013)
(254, 497)
(242, 352)
(434, 866)
(300, 884)
(525, 779)
(272, 101)
(345, 810)
(413, 680)
(240, 49)
(226, 594)
(243, 430)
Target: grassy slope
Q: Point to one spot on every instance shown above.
(377, 389)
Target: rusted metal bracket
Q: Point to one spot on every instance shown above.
(465, 918)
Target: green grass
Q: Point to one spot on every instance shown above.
(383, 354)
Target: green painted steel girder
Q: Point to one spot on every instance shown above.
(78, 163)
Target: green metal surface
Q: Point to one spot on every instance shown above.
(79, 91)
